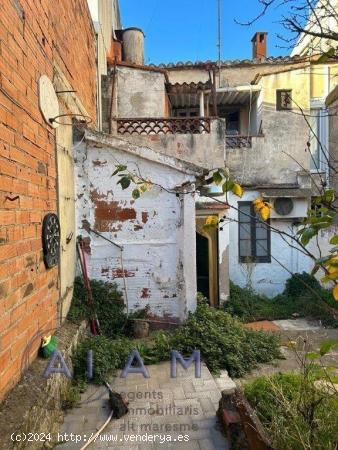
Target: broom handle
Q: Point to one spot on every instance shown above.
(94, 322)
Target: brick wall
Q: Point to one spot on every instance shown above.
(35, 37)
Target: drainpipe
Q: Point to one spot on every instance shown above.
(112, 99)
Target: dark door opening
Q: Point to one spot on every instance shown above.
(202, 265)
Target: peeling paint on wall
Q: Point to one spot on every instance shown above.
(152, 230)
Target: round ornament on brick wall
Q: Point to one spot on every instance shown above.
(48, 101)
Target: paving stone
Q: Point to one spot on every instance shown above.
(209, 444)
(214, 396)
(198, 398)
(207, 406)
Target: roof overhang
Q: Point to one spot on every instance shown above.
(240, 95)
(187, 94)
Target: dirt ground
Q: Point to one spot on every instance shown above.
(294, 344)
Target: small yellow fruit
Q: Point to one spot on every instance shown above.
(335, 292)
(237, 190)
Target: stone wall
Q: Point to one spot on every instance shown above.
(35, 404)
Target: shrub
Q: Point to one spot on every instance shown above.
(224, 343)
(301, 284)
(108, 355)
(248, 306)
(108, 303)
(296, 414)
(109, 307)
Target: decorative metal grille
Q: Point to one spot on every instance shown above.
(239, 141)
(194, 125)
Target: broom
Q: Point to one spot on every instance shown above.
(94, 322)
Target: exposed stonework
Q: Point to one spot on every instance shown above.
(34, 405)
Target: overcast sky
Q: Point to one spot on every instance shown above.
(183, 30)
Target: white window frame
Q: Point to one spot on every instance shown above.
(319, 104)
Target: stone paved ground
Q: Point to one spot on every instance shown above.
(159, 405)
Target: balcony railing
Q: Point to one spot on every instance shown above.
(149, 126)
(238, 141)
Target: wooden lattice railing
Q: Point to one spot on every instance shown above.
(142, 126)
(238, 141)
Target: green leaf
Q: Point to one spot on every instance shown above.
(327, 346)
(228, 186)
(334, 240)
(307, 234)
(329, 195)
(125, 182)
(217, 178)
(119, 168)
(136, 194)
(312, 355)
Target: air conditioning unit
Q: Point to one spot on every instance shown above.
(289, 208)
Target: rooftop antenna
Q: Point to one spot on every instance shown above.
(219, 42)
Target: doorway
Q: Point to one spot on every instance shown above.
(202, 265)
(207, 261)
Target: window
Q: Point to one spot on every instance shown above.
(283, 99)
(318, 138)
(232, 120)
(187, 112)
(254, 235)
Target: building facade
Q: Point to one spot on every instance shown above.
(265, 120)
(146, 245)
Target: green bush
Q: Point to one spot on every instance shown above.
(296, 414)
(315, 303)
(108, 303)
(108, 356)
(301, 284)
(224, 343)
(109, 307)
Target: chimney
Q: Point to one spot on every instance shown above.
(259, 45)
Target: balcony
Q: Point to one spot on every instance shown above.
(200, 140)
(163, 126)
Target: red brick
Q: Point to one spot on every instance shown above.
(7, 252)
(7, 167)
(18, 313)
(8, 338)
(25, 142)
(5, 358)
(7, 217)
(6, 134)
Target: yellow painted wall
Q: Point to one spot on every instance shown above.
(69, 103)
(324, 77)
(297, 80)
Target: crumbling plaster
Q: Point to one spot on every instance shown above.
(140, 93)
(156, 231)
